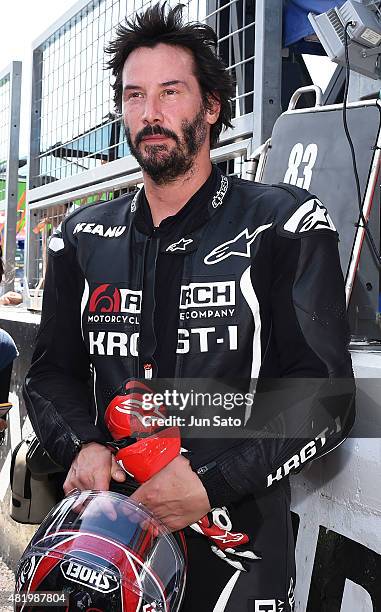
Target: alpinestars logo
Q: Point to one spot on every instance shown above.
(180, 245)
(239, 246)
(233, 547)
(311, 215)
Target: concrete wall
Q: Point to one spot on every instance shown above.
(338, 505)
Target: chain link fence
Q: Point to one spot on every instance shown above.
(76, 128)
(78, 140)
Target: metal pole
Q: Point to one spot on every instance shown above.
(237, 55)
(267, 69)
(211, 7)
(11, 190)
(34, 165)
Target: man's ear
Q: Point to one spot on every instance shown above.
(213, 108)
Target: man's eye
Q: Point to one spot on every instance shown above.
(134, 94)
(170, 92)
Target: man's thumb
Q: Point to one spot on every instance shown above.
(116, 472)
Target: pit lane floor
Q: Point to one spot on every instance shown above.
(7, 583)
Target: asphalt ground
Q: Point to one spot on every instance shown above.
(7, 583)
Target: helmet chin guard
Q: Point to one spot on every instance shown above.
(103, 552)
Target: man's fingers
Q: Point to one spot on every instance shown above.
(69, 485)
(81, 502)
(76, 481)
(139, 518)
(137, 496)
(161, 509)
(116, 471)
(119, 475)
(99, 483)
(94, 506)
(91, 468)
(101, 505)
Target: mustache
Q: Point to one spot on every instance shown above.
(155, 130)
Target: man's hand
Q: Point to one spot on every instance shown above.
(175, 495)
(93, 468)
(11, 298)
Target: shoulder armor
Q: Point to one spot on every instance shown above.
(306, 216)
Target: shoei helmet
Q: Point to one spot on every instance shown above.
(101, 552)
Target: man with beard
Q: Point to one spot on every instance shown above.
(260, 261)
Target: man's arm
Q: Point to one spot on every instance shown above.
(309, 409)
(57, 389)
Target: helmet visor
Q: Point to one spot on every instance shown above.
(111, 542)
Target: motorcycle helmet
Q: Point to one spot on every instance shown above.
(99, 551)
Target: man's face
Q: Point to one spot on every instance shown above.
(166, 123)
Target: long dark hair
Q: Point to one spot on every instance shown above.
(161, 25)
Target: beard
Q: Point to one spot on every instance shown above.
(164, 165)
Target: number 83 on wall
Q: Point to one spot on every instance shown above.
(305, 157)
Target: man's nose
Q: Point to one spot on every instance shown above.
(152, 111)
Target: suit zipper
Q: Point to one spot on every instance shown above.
(136, 362)
(149, 365)
(147, 371)
(187, 268)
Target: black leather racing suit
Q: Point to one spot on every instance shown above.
(261, 298)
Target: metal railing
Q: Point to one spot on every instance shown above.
(47, 215)
(10, 96)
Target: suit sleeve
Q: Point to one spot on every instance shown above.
(309, 409)
(57, 389)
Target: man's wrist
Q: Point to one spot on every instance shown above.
(86, 444)
(81, 445)
(81, 437)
